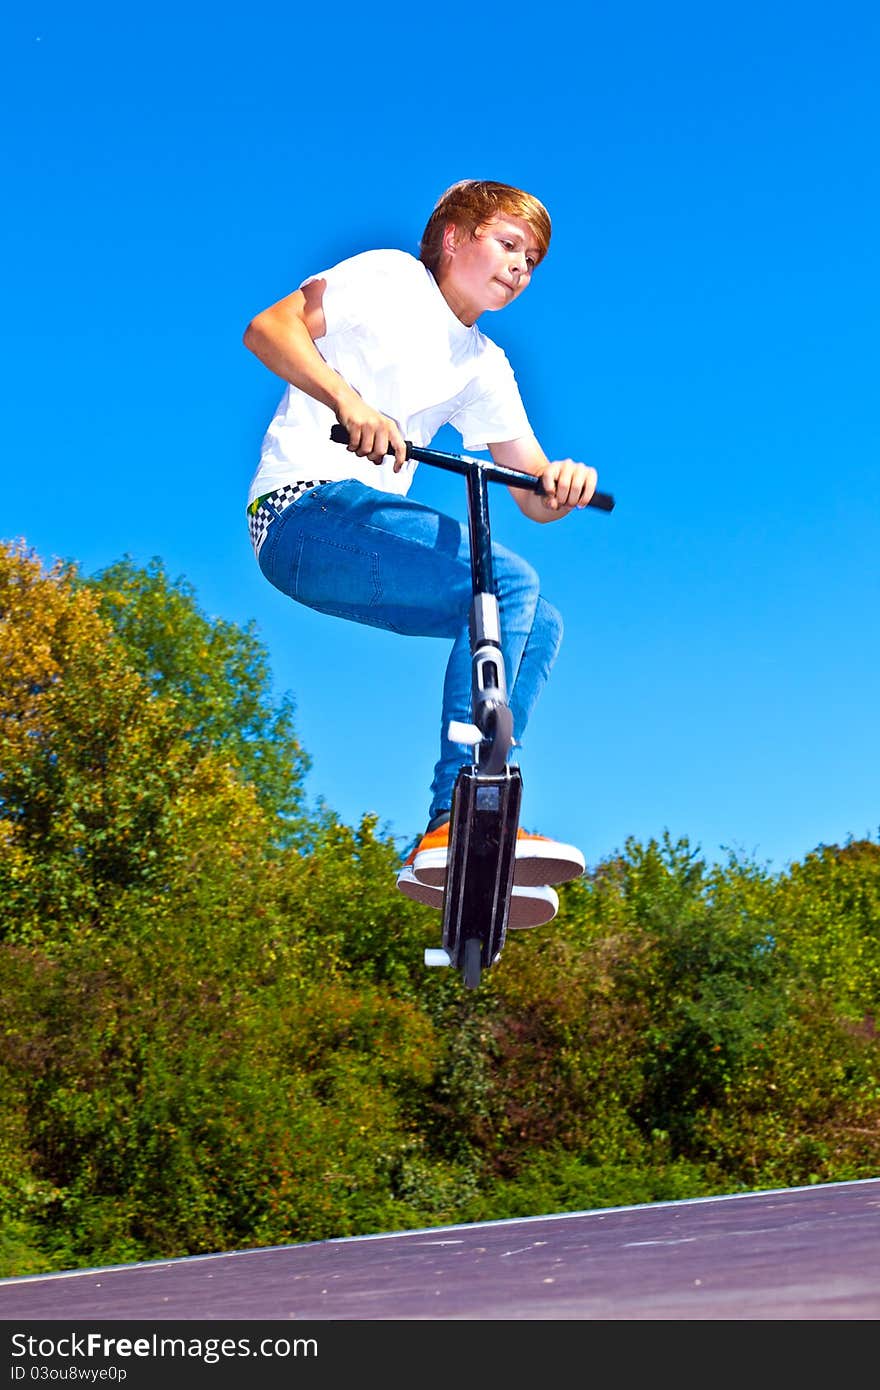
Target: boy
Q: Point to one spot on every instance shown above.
(387, 345)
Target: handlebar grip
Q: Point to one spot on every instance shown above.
(339, 435)
(602, 501)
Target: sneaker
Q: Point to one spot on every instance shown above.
(539, 861)
(529, 907)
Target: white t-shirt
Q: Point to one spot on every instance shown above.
(392, 336)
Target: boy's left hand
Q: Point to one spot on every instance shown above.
(567, 484)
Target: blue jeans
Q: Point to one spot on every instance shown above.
(376, 558)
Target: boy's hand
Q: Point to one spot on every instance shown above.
(370, 434)
(567, 484)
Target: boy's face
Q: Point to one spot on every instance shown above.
(488, 270)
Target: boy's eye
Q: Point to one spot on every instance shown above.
(511, 246)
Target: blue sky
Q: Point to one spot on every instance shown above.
(704, 331)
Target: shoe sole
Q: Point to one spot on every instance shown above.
(533, 868)
(529, 907)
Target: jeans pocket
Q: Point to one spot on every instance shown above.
(339, 578)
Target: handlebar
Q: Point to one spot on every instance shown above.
(492, 472)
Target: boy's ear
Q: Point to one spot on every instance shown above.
(451, 238)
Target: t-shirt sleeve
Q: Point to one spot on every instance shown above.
(355, 289)
(495, 413)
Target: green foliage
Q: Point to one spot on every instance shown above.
(217, 1031)
(216, 674)
(828, 911)
(190, 1109)
(553, 1180)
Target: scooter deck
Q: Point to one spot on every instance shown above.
(481, 862)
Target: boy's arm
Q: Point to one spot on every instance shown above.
(567, 485)
(283, 338)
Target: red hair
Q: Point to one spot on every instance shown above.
(472, 203)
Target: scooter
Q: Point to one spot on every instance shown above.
(486, 800)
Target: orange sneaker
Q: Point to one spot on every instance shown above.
(539, 860)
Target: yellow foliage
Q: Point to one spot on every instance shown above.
(101, 793)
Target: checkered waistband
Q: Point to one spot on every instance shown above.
(263, 510)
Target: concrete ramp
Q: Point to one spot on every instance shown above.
(801, 1253)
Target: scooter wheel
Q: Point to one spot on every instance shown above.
(472, 963)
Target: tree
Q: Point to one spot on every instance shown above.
(105, 793)
(217, 675)
(828, 917)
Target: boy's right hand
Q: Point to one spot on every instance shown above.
(370, 434)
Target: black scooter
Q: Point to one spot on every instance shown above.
(488, 792)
